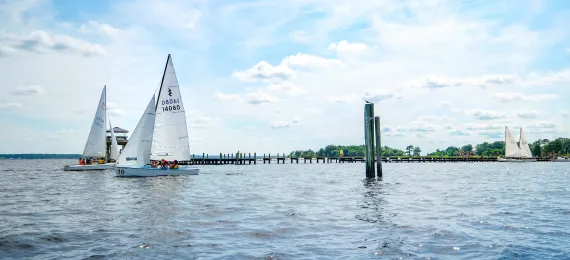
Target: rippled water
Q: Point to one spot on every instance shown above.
(300, 211)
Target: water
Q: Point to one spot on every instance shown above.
(301, 211)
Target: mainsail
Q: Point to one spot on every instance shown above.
(96, 144)
(511, 147)
(170, 138)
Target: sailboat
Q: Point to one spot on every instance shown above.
(160, 134)
(96, 144)
(514, 152)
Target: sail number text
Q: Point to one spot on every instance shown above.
(99, 122)
(170, 104)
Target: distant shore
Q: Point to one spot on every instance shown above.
(38, 156)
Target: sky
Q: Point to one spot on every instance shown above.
(275, 76)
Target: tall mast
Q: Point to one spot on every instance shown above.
(161, 82)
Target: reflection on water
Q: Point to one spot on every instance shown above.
(312, 211)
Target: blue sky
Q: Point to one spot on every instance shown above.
(275, 76)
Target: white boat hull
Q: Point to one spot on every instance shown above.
(145, 171)
(516, 160)
(90, 167)
(560, 160)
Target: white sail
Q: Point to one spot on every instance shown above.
(96, 144)
(114, 145)
(524, 147)
(511, 147)
(137, 150)
(170, 139)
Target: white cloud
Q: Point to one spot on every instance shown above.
(310, 61)
(457, 132)
(391, 131)
(374, 96)
(44, 42)
(264, 71)
(260, 97)
(528, 114)
(10, 105)
(483, 114)
(345, 46)
(514, 96)
(28, 90)
(221, 96)
(101, 28)
(340, 99)
(286, 89)
(285, 124)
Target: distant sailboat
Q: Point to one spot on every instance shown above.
(96, 145)
(161, 133)
(514, 152)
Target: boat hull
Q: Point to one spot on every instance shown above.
(134, 171)
(90, 167)
(516, 160)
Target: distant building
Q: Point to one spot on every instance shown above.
(120, 135)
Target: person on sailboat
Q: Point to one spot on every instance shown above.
(81, 161)
(174, 165)
(164, 164)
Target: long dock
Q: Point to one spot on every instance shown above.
(242, 159)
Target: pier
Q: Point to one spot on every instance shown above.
(252, 159)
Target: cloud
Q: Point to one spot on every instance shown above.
(203, 122)
(374, 96)
(391, 131)
(286, 89)
(28, 90)
(340, 98)
(528, 114)
(264, 71)
(543, 124)
(307, 61)
(345, 46)
(10, 105)
(481, 81)
(492, 134)
(472, 126)
(221, 96)
(514, 96)
(43, 42)
(457, 132)
(260, 97)
(102, 29)
(482, 114)
(285, 124)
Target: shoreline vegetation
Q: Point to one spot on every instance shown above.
(540, 148)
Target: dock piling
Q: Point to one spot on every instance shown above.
(377, 129)
(369, 139)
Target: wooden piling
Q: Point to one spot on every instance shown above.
(378, 146)
(369, 139)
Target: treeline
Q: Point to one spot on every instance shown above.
(39, 156)
(348, 151)
(539, 148)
